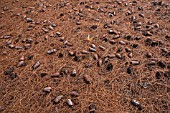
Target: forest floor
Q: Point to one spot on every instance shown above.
(84, 56)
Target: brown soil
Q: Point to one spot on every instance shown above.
(132, 40)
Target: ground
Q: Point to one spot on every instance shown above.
(107, 56)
